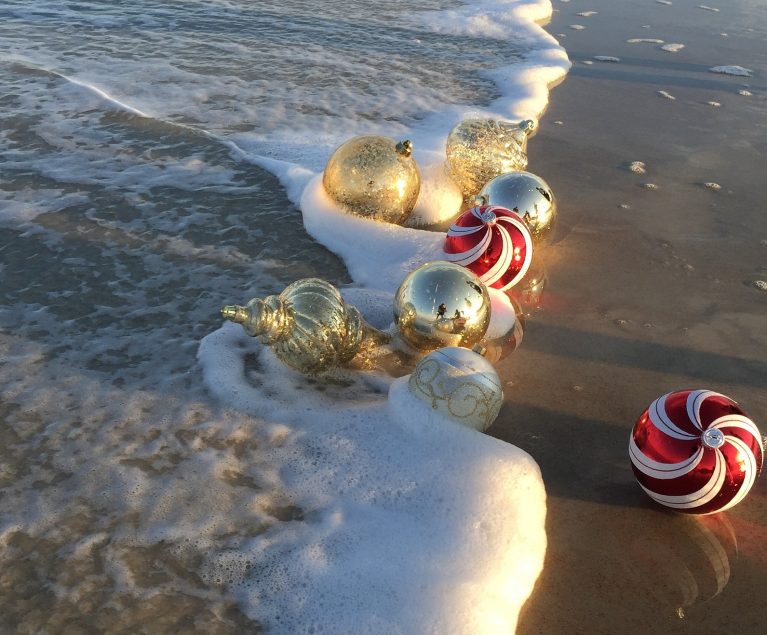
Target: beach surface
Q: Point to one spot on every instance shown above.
(648, 291)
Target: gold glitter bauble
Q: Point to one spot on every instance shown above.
(374, 177)
(441, 304)
(528, 195)
(460, 384)
(309, 326)
(480, 149)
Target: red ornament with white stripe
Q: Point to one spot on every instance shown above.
(492, 242)
(695, 451)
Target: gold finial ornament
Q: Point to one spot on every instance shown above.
(480, 149)
(374, 177)
(441, 304)
(308, 325)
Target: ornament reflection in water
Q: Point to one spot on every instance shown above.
(308, 325)
(374, 177)
(682, 561)
(460, 384)
(441, 304)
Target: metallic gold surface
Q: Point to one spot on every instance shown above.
(460, 384)
(441, 304)
(480, 149)
(309, 326)
(374, 177)
(530, 196)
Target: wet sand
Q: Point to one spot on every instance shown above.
(648, 291)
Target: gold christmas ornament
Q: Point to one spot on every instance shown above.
(480, 149)
(441, 304)
(528, 195)
(308, 325)
(374, 177)
(460, 384)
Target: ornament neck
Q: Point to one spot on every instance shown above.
(268, 318)
(713, 438)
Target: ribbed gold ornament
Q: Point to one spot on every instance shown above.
(480, 149)
(374, 177)
(308, 325)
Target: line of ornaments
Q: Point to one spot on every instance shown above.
(695, 452)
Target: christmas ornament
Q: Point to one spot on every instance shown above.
(308, 325)
(493, 242)
(459, 383)
(374, 177)
(479, 149)
(441, 304)
(695, 451)
(528, 195)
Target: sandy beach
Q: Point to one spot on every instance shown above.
(649, 290)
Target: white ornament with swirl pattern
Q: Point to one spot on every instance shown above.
(460, 384)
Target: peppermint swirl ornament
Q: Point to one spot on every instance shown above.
(492, 242)
(695, 451)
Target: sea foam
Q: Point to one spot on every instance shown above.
(342, 504)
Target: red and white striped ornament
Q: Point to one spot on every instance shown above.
(492, 242)
(695, 451)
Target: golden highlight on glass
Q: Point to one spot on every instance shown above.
(441, 304)
(374, 177)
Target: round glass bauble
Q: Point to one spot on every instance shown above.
(479, 149)
(460, 384)
(441, 304)
(695, 451)
(374, 177)
(493, 242)
(528, 195)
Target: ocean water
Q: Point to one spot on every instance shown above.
(160, 471)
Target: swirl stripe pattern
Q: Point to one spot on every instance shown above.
(493, 242)
(696, 451)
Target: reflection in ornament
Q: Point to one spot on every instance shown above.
(493, 242)
(441, 304)
(374, 177)
(460, 384)
(480, 149)
(309, 326)
(528, 195)
(695, 451)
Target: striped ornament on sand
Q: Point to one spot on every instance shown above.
(696, 451)
(492, 242)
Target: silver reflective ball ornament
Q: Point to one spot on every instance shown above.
(441, 304)
(528, 195)
(460, 384)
